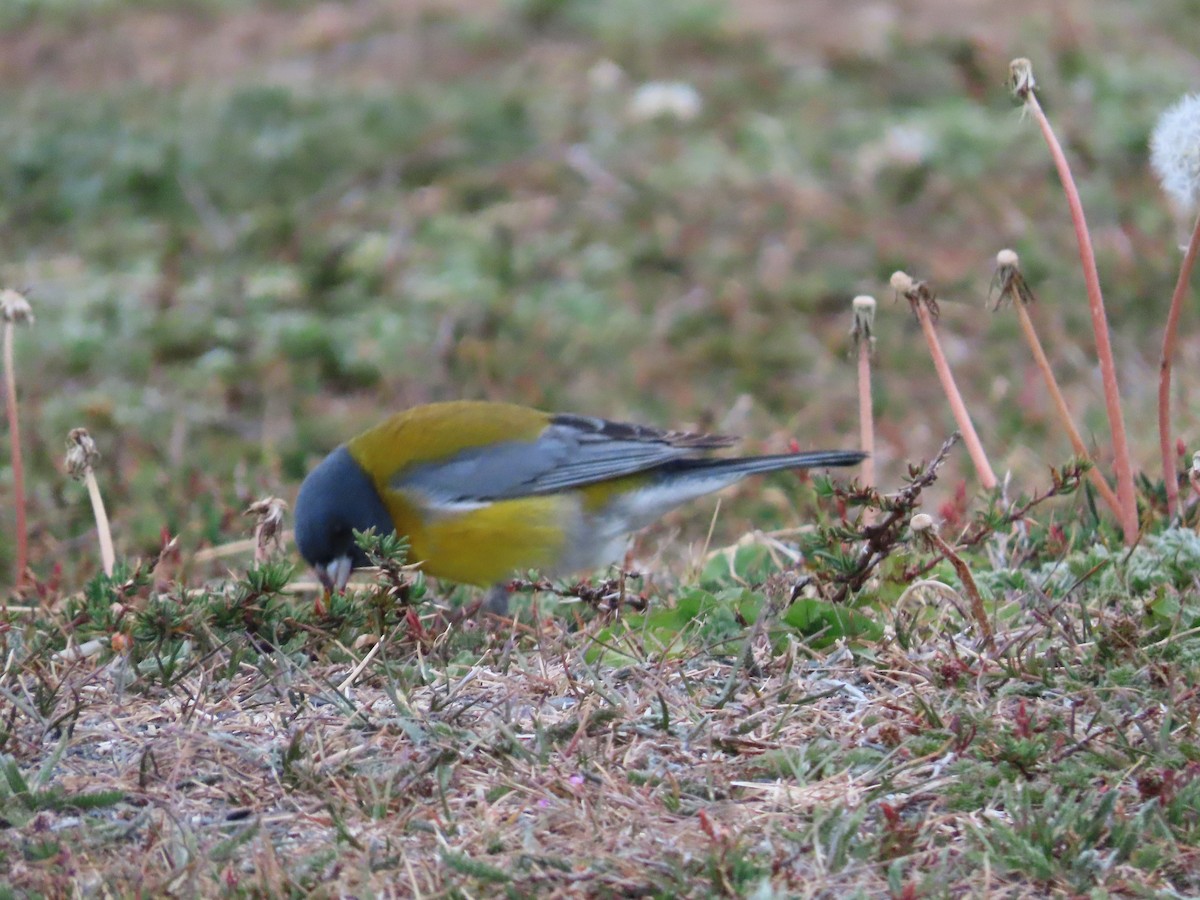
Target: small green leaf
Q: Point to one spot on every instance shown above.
(830, 621)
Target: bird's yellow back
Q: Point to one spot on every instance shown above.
(438, 431)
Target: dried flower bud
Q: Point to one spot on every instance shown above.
(15, 308)
(121, 642)
(1009, 279)
(269, 528)
(917, 293)
(864, 318)
(901, 282)
(82, 455)
(269, 511)
(921, 523)
(1175, 152)
(1020, 76)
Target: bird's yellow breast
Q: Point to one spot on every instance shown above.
(487, 544)
(481, 545)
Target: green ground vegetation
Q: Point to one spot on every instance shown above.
(248, 230)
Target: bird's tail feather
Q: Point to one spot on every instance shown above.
(750, 465)
(681, 480)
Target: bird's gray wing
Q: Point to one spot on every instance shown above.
(571, 451)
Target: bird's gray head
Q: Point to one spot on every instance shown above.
(336, 499)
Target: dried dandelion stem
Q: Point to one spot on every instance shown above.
(923, 525)
(1023, 85)
(14, 309)
(1064, 414)
(82, 457)
(970, 437)
(922, 301)
(1170, 478)
(108, 556)
(1012, 285)
(864, 339)
(1175, 161)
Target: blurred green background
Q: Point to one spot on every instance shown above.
(250, 229)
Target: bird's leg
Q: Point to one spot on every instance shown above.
(496, 601)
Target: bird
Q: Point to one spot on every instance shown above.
(482, 490)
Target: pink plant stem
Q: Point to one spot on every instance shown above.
(866, 415)
(866, 419)
(1060, 405)
(18, 468)
(1108, 369)
(1170, 478)
(986, 477)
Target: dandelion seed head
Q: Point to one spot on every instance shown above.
(665, 100)
(1175, 152)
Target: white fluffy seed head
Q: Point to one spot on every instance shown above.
(1007, 259)
(665, 100)
(901, 282)
(863, 303)
(1175, 152)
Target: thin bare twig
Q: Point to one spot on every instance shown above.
(882, 537)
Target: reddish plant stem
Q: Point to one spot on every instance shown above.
(1060, 405)
(1170, 478)
(18, 468)
(1108, 369)
(974, 447)
(866, 419)
(866, 413)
